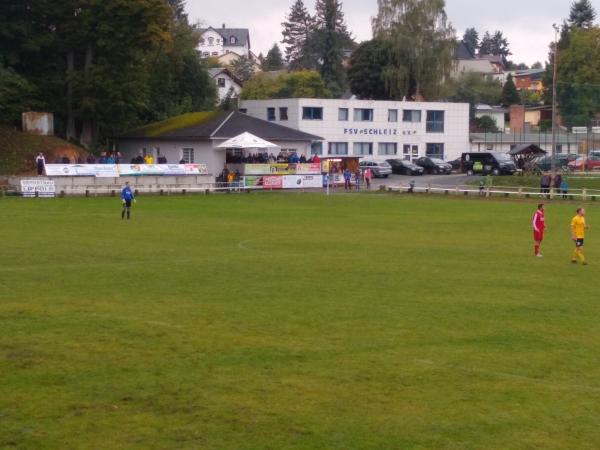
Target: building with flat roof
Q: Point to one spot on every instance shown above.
(376, 129)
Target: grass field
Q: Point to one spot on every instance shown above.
(295, 322)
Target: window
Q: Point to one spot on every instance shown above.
(363, 115)
(316, 148)
(343, 114)
(271, 114)
(206, 54)
(221, 82)
(233, 40)
(410, 152)
(283, 114)
(201, 41)
(363, 148)
(411, 115)
(215, 53)
(188, 155)
(211, 41)
(435, 122)
(387, 148)
(338, 148)
(435, 151)
(392, 115)
(312, 113)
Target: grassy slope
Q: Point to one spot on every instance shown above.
(18, 150)
(295, 321)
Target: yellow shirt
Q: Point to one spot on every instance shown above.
(578, 227)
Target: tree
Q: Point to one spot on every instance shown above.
(301, 84)
(471, 40)
(422, 46)
(367, 65)
(474, 89)
(178, 8)
(537, 65)
(296, 30)
(486, 45)
(582, 14)
(486, 124)
(500, 45)
(274, 59)
(510, 95)
(579, 77)
(243, 68)
(326, 44)
(17, 95)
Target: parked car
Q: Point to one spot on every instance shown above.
(487, 163)
(592, 162)
(405, 167)
(434, 165)
(544, 163)
(455, 163)
(379, 169)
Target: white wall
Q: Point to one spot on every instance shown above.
(455, 136)
(229, 83)
(217, 45)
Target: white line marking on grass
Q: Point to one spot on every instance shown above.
(561, 386)
(242, 245)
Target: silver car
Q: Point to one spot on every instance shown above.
(379, 169)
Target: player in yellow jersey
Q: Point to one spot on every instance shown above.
(578, 227)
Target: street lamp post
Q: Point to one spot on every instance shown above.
(554, 79)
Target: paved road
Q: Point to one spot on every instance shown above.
(424, 180)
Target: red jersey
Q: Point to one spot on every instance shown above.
(538, 222)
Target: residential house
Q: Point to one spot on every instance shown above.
(226, 82)
(497, 113)
(216, 42)
(465, 61)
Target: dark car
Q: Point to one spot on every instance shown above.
(405, 167)
(434, 165)
(456, 163)
(544, 163)
(487, 163)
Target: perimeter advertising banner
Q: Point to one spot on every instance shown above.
(116, 170)
(282, 169)
(302, 181)
(43, 188)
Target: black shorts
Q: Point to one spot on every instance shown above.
(578, 242)
(128, 203)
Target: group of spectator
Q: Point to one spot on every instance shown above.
(230, 177)
(547, 181)
(269, 158)
(365, 175)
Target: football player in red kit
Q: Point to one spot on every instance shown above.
(539, 225)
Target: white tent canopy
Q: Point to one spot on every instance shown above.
(246, 140)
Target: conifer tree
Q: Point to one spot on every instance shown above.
(274, 59)
(296, 30)
(582, 14)
(510, 95)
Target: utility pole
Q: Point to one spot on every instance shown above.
(554, 79)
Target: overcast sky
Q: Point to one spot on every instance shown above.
(527, 24)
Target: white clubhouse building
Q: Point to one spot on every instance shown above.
(376, 129)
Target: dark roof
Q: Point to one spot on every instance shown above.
(215, 72)
(216, 125)
(463, 51)
(527, 149)
(242, 35)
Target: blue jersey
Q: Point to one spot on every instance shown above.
(127, 193)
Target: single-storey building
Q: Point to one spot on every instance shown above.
(194, 137)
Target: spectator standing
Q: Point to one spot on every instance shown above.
(148, 159)
(564, 188)
(347, 177)
(368, 177)
(545, 182)
(65, 160)
(556, 182)
(40, 162)
(357, 177)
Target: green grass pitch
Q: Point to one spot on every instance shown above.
(272, 321)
